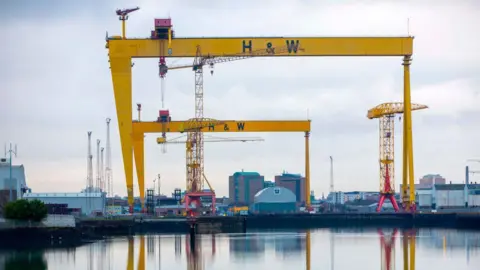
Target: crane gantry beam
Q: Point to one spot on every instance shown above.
(226, 46)
(163, 43)
(386, 113)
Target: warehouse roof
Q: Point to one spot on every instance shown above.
(274, 195)
(63, 195)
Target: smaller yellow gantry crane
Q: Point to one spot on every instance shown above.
(386, 113)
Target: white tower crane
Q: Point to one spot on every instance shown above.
(89, 163)
(102, 170)
(108, 162)
(97, 180)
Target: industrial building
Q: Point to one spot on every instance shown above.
(86, 202)
(431, 179)
(449, 196)
(274, 200)
(336, 197)
(293, 182)
(17, 182)
(243, 186)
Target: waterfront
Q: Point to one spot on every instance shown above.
(358, 248)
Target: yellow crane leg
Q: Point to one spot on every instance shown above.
(412, 251)
(408, 169)
(130, 257)
(405, 250)
(139, 155)
(307, 171)
(141, 254)
(308, 248)
(121, 69)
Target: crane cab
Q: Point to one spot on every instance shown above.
(163, 29)
(164, 116)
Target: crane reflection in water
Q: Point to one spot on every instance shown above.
(397, 249)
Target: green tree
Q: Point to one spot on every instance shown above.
(38, 210)
(25, 210)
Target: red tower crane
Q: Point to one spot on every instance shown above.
(386, 114)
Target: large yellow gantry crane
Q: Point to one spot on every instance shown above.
(386, 113)
(163, 43)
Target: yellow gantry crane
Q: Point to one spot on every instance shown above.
(163, 43)
(386, 113)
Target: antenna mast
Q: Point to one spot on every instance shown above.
(102, 170)
(97, 182)
(89, 163)
(12, 152)
(331, 175)
(159, 185)
(108, 162)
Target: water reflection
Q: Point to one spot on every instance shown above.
(385, 249)
(25, 260)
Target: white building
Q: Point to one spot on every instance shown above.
(87, 202)
(449, 196)
(354, 195)
(337, 197)
(16, 182)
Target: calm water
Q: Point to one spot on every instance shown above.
(339, 249)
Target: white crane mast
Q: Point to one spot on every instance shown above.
(89, 163)
(97, 182)
(108, 162)
(102, 170)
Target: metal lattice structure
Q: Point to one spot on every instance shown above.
(385, 112)
(195, 167)
(387, 149)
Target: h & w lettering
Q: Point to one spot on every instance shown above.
(292, 45)
(245, 46)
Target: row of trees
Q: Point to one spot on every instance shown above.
(25, 210)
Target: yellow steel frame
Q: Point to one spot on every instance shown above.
(121, 51)
(139, 129)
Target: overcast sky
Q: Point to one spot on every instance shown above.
(56, 85)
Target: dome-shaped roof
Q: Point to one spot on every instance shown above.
(274, 195)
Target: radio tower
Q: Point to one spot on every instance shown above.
(89, 164)
(102, 170)
(97, 182)
(108, 162)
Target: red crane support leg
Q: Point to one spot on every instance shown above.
(387, 193)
